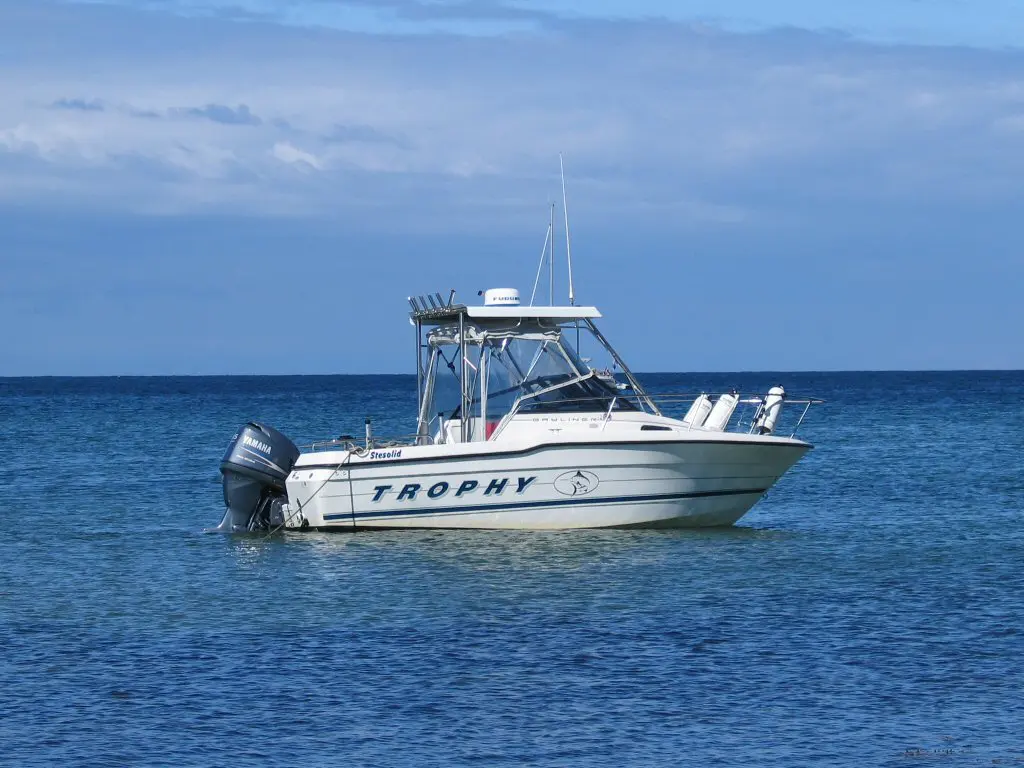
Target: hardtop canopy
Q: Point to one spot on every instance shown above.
(442, 315)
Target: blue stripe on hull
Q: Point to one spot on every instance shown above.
(568, 502)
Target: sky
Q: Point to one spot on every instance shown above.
(255, 186)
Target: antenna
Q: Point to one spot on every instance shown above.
(565, 209)
(543, 253)
(551, 259)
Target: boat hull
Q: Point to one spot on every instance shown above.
(665, 484)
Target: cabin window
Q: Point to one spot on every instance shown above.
(586, 396)
(518, 367)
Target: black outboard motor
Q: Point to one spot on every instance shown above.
(255, 466)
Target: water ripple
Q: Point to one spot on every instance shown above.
(868, 612)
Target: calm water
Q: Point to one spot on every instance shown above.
(870, 611)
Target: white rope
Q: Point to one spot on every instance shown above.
(357, 450)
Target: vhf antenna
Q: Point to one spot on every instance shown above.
(565, 213)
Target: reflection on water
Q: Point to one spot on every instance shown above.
(474, 550)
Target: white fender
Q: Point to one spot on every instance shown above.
(768, 413)
(698, 411)
(719, 417)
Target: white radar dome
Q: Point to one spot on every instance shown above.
(501, 297)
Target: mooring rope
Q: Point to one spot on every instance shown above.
(356, 450)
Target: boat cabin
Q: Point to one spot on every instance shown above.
(480, 367)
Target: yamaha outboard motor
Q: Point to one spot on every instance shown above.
(256, 464)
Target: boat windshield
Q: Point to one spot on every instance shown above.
(548, 375)
(578, 395)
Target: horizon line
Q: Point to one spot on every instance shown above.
(16, 377)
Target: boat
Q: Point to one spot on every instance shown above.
(607, 375)
(515, 430)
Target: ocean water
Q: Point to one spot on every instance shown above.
(868, 612)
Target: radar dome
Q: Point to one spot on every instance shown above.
(501, 297)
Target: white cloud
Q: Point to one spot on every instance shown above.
(287, 153)
(706, 125)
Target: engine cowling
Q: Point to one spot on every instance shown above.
(254, 468)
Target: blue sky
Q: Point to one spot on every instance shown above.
(254, 186)
(995, 23)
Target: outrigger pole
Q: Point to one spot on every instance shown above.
(543, 253)
(565, 213)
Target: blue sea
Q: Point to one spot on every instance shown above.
(868, 612)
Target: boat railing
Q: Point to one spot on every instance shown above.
(743, 417)
(350, 443)
(748, 407)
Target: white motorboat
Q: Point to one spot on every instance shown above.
(607, 375)
(516, 431)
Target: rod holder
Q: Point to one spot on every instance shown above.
(369, 434)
